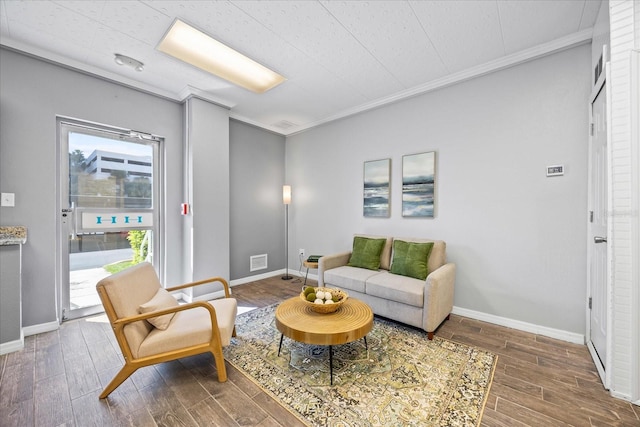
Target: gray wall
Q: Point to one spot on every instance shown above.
(257, 212)
(32, 93)
(517, 237)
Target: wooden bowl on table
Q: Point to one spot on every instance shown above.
(340, 295)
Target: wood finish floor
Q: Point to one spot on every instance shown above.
(56, 380)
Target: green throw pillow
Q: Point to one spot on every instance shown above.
(366, 252)
(410, 259)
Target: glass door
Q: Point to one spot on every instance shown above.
(109, 214)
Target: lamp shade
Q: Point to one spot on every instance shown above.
(286, 194)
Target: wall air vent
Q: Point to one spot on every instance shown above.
(284, 124)
(258, 262)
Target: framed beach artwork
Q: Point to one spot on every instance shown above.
(418, 185)
(377, 175)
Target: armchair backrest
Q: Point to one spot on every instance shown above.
(122, 294)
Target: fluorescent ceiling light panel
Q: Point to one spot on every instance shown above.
(190, 45)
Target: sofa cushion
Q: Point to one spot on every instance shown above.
(366, 252)
(410, 258)
(438, 256)
(385, 256)
(393, 287)
(349, 278)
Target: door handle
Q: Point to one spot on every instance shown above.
(70, 212)
(598, 239)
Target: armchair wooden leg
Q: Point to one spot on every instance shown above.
(219, 359)
(430, 335)
(124, 373)
(233, 334)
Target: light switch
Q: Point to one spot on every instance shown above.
(8, 199)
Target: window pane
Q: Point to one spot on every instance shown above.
(109, 173)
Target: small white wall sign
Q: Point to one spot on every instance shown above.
(555, 170)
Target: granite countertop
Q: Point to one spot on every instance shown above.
(13, 235)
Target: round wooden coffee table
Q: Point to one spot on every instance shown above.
(352, 321)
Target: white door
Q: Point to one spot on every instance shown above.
(109, 212)
(598, 271)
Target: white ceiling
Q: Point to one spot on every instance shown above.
(339, 57)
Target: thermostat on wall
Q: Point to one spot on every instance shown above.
(556, 170)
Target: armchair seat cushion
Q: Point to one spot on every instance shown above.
(191, 327)
(349, 278)
(393, 287)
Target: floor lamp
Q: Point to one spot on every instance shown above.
(286, 199)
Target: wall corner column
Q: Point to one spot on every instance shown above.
(206, 190)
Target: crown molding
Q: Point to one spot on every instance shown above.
(572, 40)
(193, 92)
(85, 68)
(567, 42)
(251, 122)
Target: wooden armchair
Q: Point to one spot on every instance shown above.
(134, 302)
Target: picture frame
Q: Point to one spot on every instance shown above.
(377, 188)
(418, 185)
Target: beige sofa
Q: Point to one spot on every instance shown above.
(421, 303)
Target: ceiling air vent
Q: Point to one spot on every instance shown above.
(257, 262)
(284, 124)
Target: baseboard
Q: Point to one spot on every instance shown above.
(40, 328)
(249, 279)
(209, 296)
(219, 294)
(26, 331)
(624, 396)
(490, 318)
(11, 346)
(571, 337)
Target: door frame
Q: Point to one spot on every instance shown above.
(62, 174)
(603, 367)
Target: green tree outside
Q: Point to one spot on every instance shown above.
(135, 238)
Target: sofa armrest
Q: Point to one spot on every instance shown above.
(328, 262)
(438, 296)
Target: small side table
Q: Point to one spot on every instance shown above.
(308, 265)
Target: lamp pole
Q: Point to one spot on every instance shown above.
(286, 199)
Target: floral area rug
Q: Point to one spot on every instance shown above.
(399, 378)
